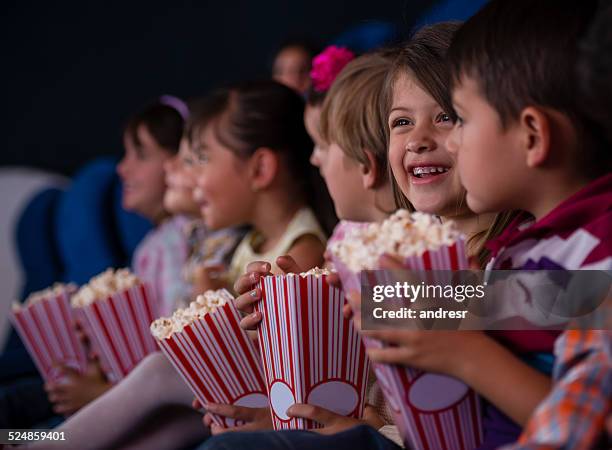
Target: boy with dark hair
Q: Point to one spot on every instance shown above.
(524, 142)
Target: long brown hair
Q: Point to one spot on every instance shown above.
(424, 58)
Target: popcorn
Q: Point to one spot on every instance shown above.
(403, 235)
(115, 310)
(104, 285)
(45, 324)
(213, 355)
(206, 303)
(316, 271)
(35, 297)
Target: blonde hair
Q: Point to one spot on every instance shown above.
(353, 114)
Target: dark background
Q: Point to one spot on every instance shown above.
(73, 71)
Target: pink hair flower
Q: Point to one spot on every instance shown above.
(327, 65)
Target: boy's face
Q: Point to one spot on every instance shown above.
(490, 161)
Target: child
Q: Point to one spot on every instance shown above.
(425, 172)
(553, 164)
(350, 151)
(151, 406)
(253, 153)
(151, 138)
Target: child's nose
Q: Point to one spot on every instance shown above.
(420, 144)
(123, 168)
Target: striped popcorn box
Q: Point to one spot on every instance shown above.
(311, 352)
(118, 328)
(45, 324)
(431, 411)
(214, 356)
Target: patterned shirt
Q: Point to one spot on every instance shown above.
(576, 235)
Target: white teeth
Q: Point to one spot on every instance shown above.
(426, 170)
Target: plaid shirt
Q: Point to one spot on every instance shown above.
(573, 415)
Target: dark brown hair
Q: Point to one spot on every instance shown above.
(251, 115)
(424, 58)
(164, 123)
(523, 53)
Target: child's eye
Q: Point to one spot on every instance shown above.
(459, 122)
(401, 122)
(443, 117)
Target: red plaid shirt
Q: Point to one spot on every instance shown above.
(573, 415)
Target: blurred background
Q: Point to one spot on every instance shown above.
(74, 71)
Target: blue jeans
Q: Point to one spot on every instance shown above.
(359, 437)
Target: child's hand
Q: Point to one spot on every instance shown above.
(252, 419)
(332, 422)
(249, 293)
(73, 390)
(208, 277)
(447, 352)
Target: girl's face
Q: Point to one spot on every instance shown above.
(223, 191)
(142, 172)
(180, 182)
(422, 166)
(341, 173)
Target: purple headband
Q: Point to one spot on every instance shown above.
(175, 103)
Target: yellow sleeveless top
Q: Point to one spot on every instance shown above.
(303, 223)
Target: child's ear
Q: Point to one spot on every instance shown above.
(263, 168)
(369, 172)
(535, 125)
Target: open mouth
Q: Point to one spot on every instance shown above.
(428, 171)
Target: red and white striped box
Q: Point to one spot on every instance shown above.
(46, 327)
(311, 352)
(118, 329)
(218, 361)
(431, 411)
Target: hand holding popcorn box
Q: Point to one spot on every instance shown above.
(213, 354)
(311, 352)
(45, 323)
(431, 411)
(115, 310)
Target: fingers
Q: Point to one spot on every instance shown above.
(287, 264)
(259, 266)
(404, 337)
(347, 312)
(353, 299)
(244, 302)
(235, 412)
(390, 355)
(312, 412)
(334, 280)
(248, 281)
(252, 321)
(195, 404)
(207, 420)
